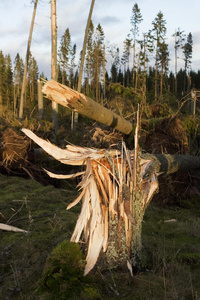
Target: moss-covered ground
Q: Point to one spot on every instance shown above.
(43, 264)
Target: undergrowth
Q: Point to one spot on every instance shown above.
(43, 264)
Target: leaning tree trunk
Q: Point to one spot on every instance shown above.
(54, 69)
(75, 114)
(84, 105)
(24, 82)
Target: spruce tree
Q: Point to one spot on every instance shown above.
(158, 34)
(18, 78)
(179, 39)
(33, 73)
(97, 60)
(187, 52)
(64, 53)
(8, 80)
(136, 19)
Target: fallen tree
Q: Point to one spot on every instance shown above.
(116, 187)
(84, 105)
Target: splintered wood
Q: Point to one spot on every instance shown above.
(84, 105)
(108, 186)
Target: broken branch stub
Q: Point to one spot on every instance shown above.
(84, 105)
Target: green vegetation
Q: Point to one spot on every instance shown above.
(43, 264)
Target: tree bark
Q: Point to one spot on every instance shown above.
(54, 71)
(113, 224)
(21, 107)
(173, 163)
(40, 99)
(114, 200)
(86, 106)
(75, 114)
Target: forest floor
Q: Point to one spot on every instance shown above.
(170, 266)
(171, 246)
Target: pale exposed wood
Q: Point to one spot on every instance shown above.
(112, 210)
(106, 193)
(84, 105)
(54, 69)
(11, 228)
(40, 99)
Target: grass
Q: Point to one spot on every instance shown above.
(170, 262)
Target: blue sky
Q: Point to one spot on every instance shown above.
(113, 15)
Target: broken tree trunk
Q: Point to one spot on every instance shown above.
(117, 187)
(84, 105)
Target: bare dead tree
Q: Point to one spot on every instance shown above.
(24, 82)
(75, 114)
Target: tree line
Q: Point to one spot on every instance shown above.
(147, 79)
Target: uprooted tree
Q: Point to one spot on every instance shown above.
(116, 185)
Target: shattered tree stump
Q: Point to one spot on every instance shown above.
(116, 189)
(116, 186)
(113, 201)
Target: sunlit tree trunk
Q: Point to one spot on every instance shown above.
(21, 107)
(161, 84)
(40, 99)
(156, 76)
(104, 71)
(137, 73)
(136, 19)
(75, 114)
(54, 70)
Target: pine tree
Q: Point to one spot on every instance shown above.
(126, 57)
(187, 52)
(158, 34)
(136, 19)
(179, 39)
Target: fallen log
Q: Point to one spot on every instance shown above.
(84, 105)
